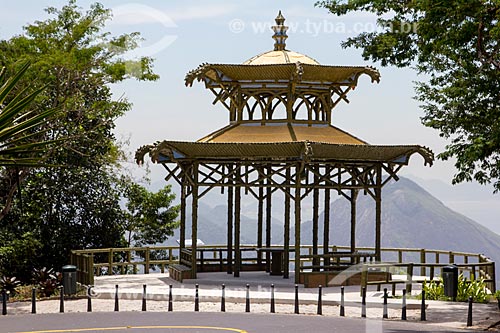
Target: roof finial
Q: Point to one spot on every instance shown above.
(279, 33)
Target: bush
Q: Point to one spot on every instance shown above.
(9, 284)
(47, 280)
(434, 290)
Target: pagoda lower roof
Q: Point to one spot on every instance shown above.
(210, 152)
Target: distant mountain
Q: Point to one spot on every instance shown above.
(411, 217)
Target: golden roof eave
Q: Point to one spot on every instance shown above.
(174, 151)
(329, 75)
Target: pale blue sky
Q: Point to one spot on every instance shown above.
(180, 35)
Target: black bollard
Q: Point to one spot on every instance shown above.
(403, 309)
(469, 313)
(385, 315)
(61, 299)
(422, 307)
(342, 308)
(272, 299)
(223, 299)
(4, 303)
(320, 301)
(247, 299)
(196, 300)
(33, 300)
(117, 307)
(89, 299)
(363, 302)
(143, 297)
(296, 299)
(170, 301)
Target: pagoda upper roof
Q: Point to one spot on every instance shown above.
(306, 74)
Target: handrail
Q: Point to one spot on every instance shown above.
(110, 261)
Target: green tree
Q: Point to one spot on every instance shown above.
(77, 205)
(150, 217)
(456, 45)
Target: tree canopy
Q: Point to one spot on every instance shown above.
(77, 204)
(456, 44)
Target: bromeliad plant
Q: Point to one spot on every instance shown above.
(9, 284)
(47, 280)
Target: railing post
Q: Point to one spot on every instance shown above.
(364, 277)
(422, 261)
(409, 282)
(110, 262)
(146, 265)
(91, 270)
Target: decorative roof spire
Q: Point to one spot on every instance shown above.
(279, 33)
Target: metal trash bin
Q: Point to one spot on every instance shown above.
(450, 281)
(69, 279)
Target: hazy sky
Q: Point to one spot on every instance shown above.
(180, 35)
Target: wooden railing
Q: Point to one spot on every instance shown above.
(142, 259)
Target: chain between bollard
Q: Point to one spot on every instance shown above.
(223, 299)
(89, 298)
(33, 300)
(320, 300)
(196, 300)
(170, 301)
(144, 297)
(117, 307)
(247, 299)
(61, 299)
(363, 302)
(342, 308)
(403, 309)
(385, 314)
(469, 313)
(422, 306)
(296, 311)
(4, 303)
(272, 299)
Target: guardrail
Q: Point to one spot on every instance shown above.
(96, 262)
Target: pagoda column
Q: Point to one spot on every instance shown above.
(315, 220)
(260, 221)
(286, 231)
(269, 192)
(194, 221)
(378, 214)
(230, 198)
(298, 170)
(237, 222)
(326, 226)
(354, 198)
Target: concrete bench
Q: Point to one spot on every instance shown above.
(179, 272)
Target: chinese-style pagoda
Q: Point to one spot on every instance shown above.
(279, 138)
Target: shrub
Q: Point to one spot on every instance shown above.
(434, 290)
(47, 280)
(9, 284)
